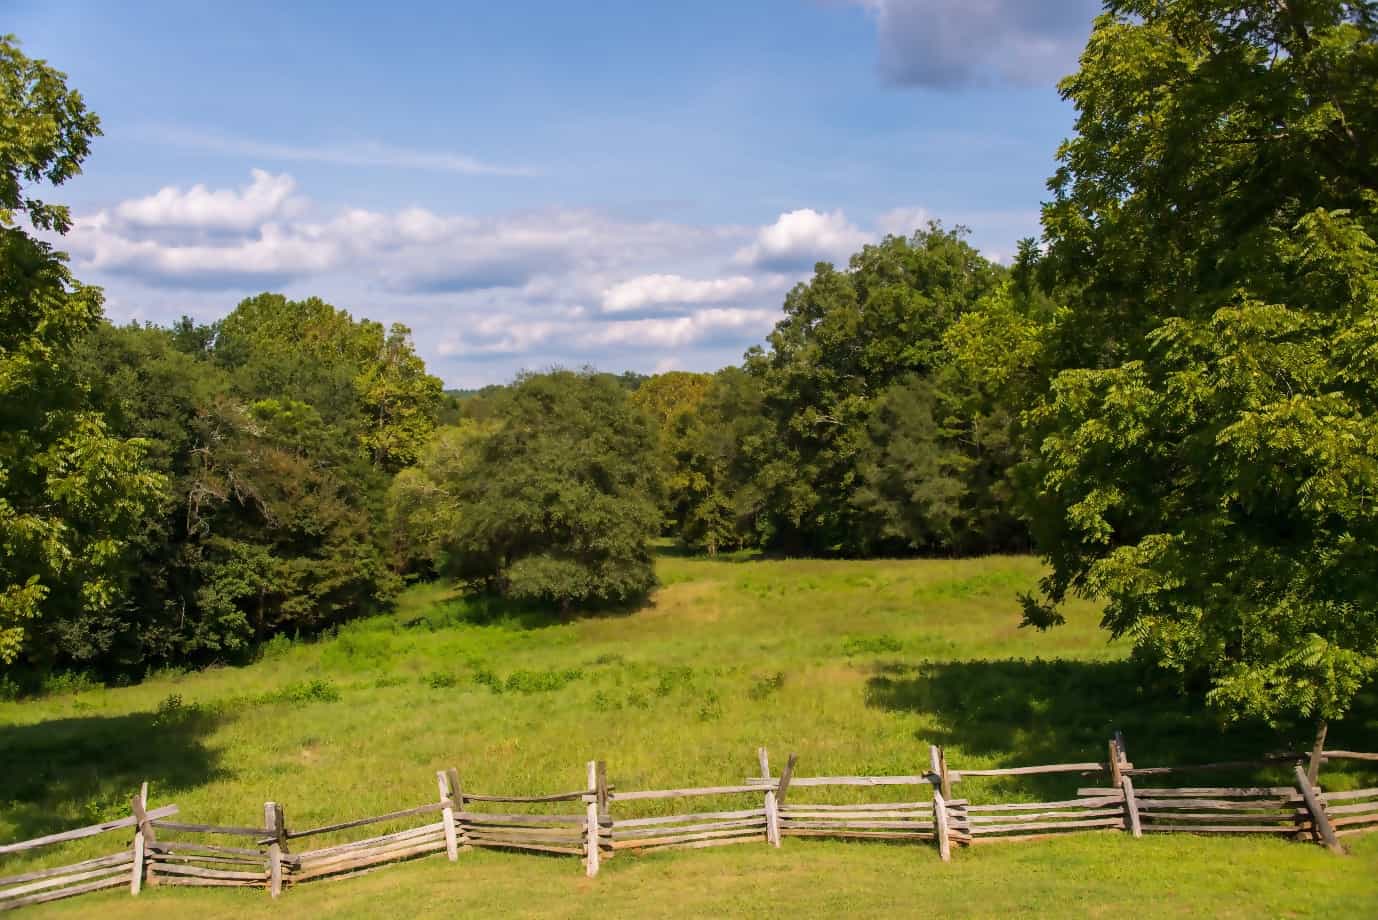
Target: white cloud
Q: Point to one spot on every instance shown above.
(657, 290)
(363, 153)
(485, 294)
(798, 239)
(680, 331)
(265, 197)
(945, 43)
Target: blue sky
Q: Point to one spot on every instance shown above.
(525, 184)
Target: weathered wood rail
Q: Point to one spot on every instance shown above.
(601, 822)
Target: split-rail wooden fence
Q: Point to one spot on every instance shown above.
(593, 825)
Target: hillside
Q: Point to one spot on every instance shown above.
(857, 666)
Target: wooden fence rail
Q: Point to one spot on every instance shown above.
(601, 822)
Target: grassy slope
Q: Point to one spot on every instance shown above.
(855, 665)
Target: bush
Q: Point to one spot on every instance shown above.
(557, 505)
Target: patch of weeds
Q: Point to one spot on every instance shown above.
(69, 682)
(105, 807)
(638, 700)
(711, 708)
(604, 702)
(486, 678)
(171, 710)
(609, 658)
(870, 645)
(9, 690)
(979, 585)
(765, 686)
(358, 650)
(541, 681)
(276, 647)
(672, 679)
(389, 680)
(439, 680)
(309, 691)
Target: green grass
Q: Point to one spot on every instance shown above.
(857, 666)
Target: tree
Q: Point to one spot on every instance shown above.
(846, 339)
(71, 495)
(1207, 454)
(367, 382)
(271, 519)
(716, 448)
(671, 400)
(559, 505)
(421, 505)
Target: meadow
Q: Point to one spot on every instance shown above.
(856, 665)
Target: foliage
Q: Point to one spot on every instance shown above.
(557, 504)
(1207, 454)
(421, 506)
(72, 495)
(711, 488)
(872, 436)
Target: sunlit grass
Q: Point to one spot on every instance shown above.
(857, 666)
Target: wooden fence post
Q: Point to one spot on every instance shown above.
(937, 770)
(143, 836)
(786, 775)
(272, 821)
(1319, 819)
(1119, 761)
(1131, 807)
(940, 825)
(457, 797)
(447, 814)
(772, 808)
(591, 822)
(604, 808)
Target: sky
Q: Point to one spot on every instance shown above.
(529, 184)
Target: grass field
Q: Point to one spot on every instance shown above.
(857, 666)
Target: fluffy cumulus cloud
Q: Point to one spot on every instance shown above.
(265, 197)
(944, 43)
(652, 291)
(486, 295)
(799, 239)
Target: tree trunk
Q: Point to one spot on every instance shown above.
(1313, 771)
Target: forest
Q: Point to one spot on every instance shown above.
(1171, 398)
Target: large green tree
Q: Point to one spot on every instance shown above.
(71, 495)
(1207, 454)
(863, 421)
(558, 504)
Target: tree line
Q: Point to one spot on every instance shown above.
(1170, 396)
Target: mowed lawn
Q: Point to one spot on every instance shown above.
(856, 666)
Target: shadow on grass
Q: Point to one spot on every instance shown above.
(1027, 712)
(67, 773)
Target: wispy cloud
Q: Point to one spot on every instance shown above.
(361, 153)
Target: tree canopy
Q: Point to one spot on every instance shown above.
(1206, 450)
(72, 496)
